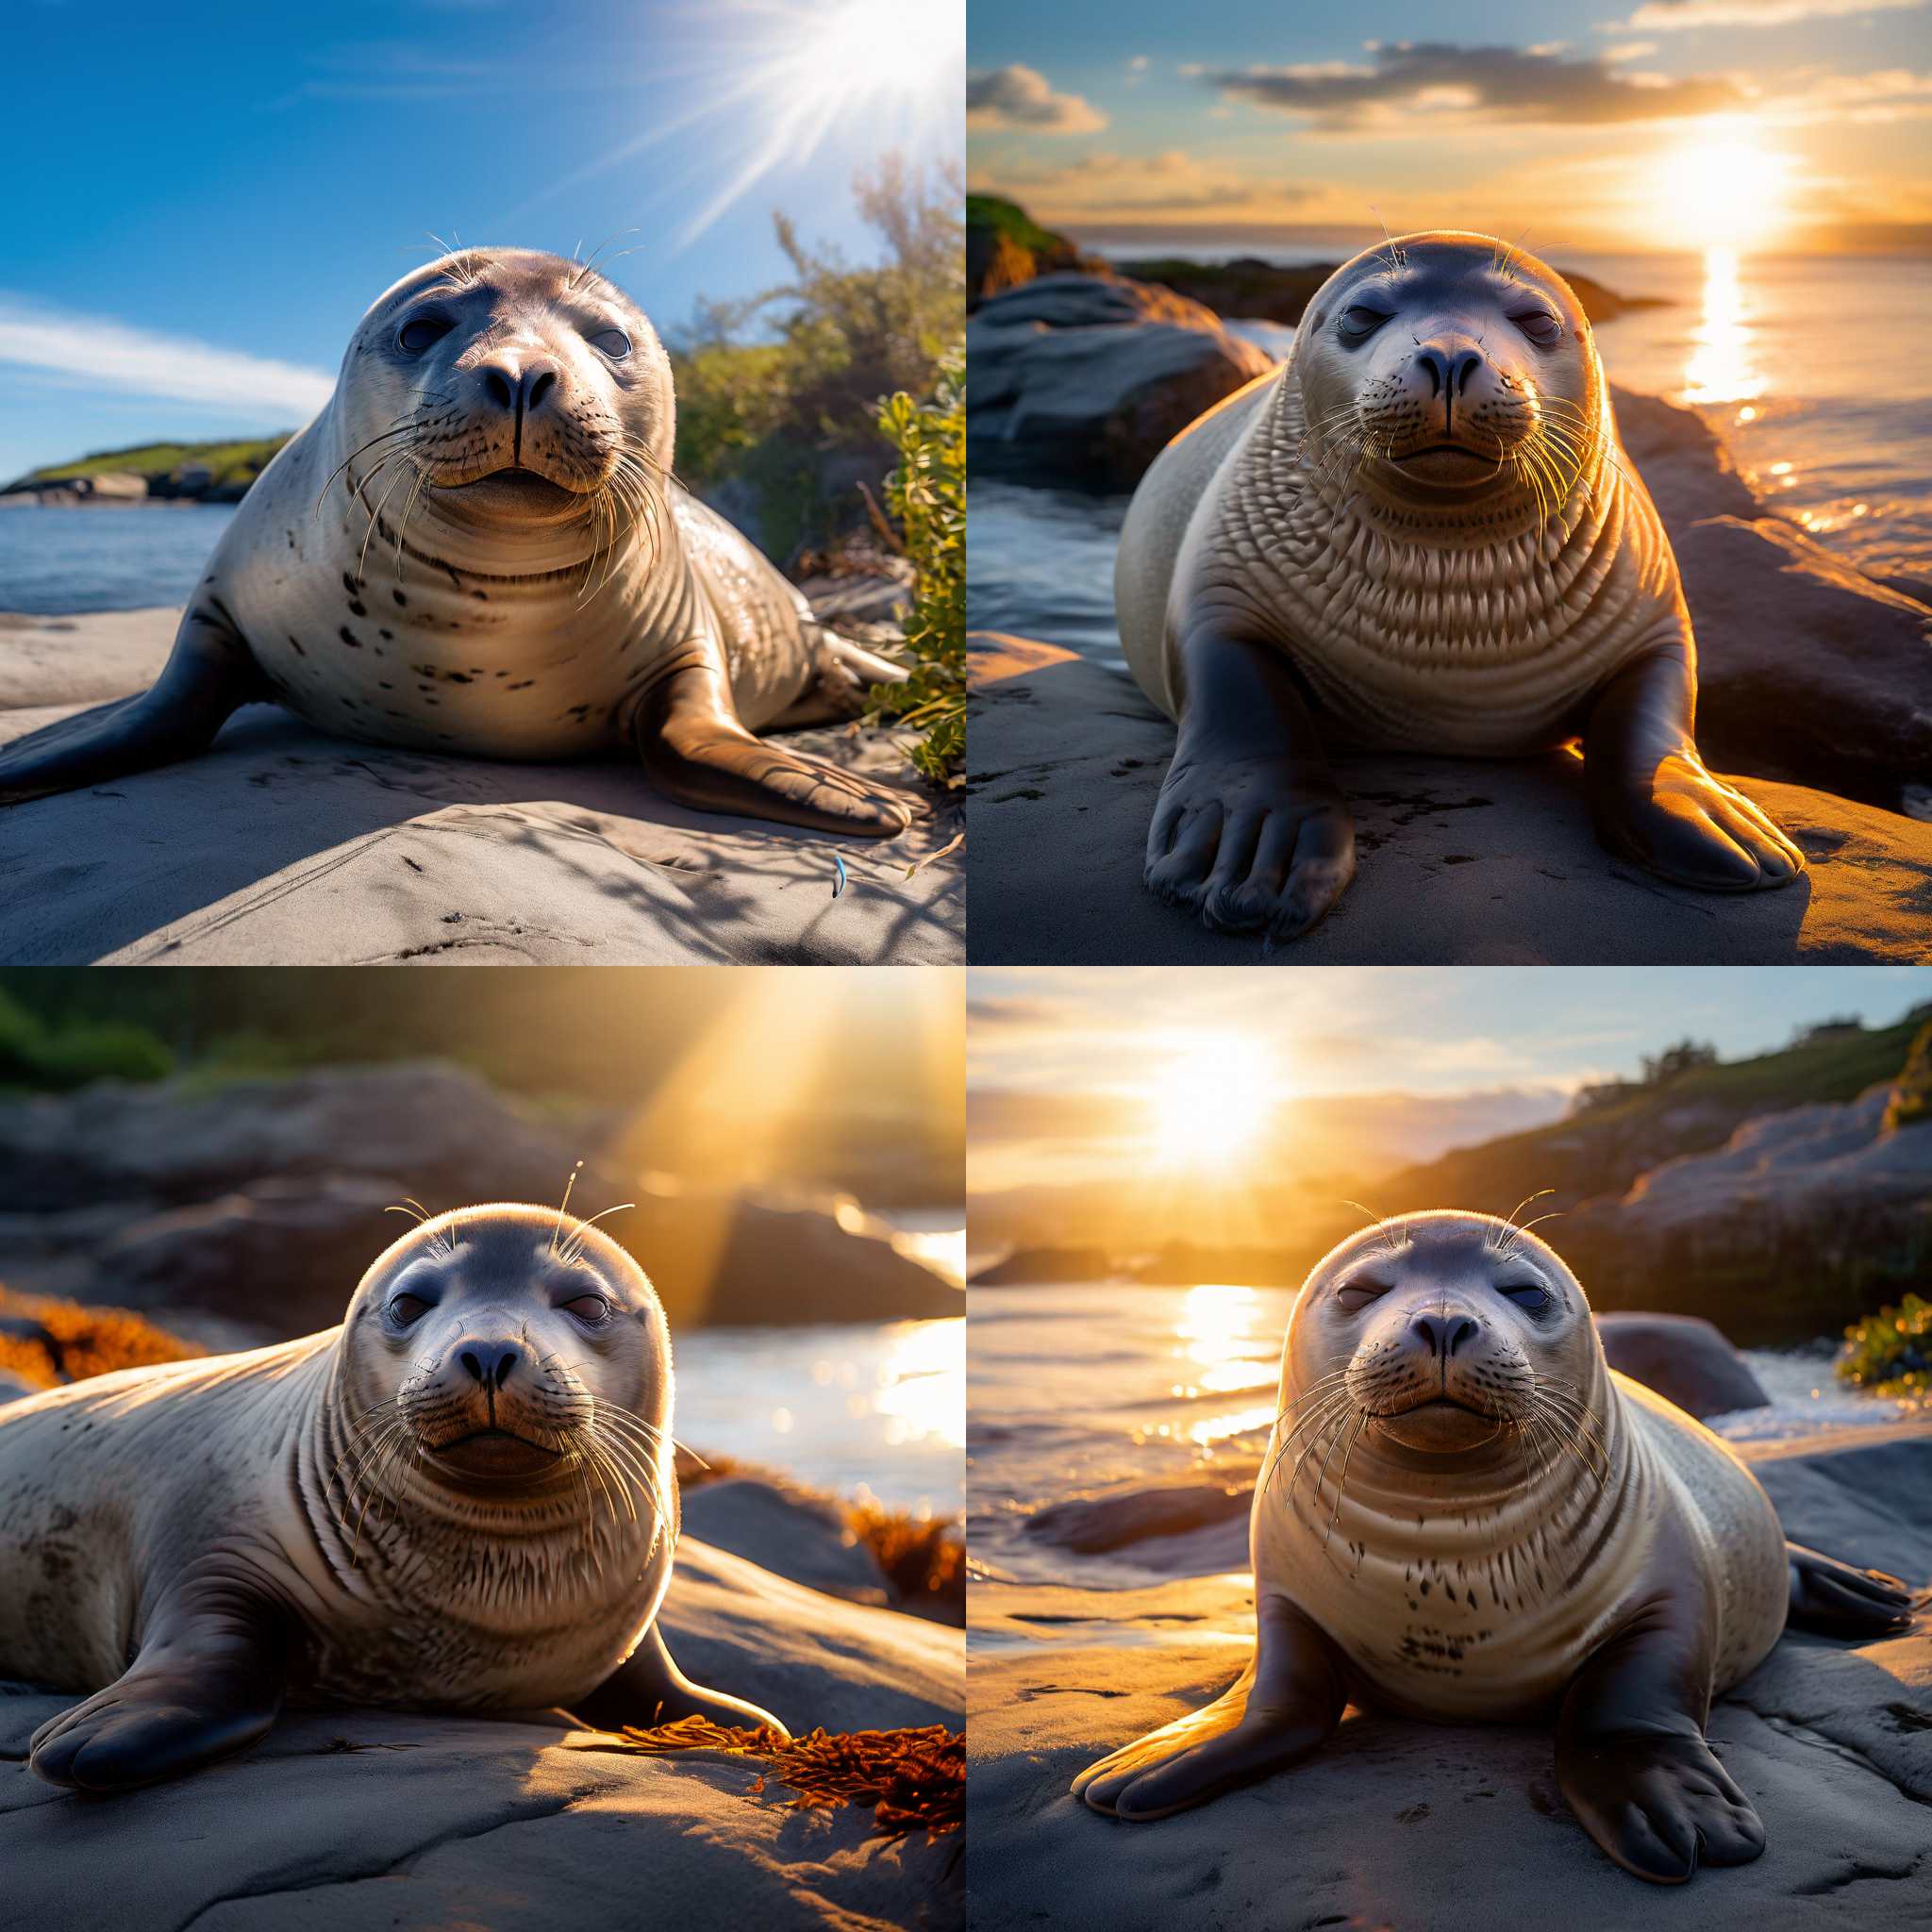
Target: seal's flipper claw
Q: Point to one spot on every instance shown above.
(1838, 1599)
(1659, 1805)
(1282, 1708)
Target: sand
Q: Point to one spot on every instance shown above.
(287, 846)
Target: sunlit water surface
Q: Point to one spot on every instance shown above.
(1080, 1389)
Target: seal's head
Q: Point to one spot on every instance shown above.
(1444, 367)
(508, 1349)
(519, 387)
(1443, 1331)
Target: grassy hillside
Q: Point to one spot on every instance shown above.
(994, 214)
(230, 463)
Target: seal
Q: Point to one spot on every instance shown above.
(1463, 1513)
(463, 1499)
(1422, 534)
(479, 546)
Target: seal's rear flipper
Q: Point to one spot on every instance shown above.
(1283, 1706)
(843, 678)
(648, 1690)
(1838, 1599)
(208, 676)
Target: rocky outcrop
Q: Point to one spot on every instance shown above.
(1458, 861)
(1085, 378)
(354, 1820)
(1032, 1267)
(1684, 1358)
(1404, 1824)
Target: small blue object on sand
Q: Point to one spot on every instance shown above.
(839, 864)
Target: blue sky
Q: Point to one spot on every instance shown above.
(1709, 121)
(207, 195)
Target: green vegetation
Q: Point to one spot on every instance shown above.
(1890, 1353)
(1911, 1100)
(230, 465)
(51, 1057)
(994, 215)
(779, 395)
(926, 495)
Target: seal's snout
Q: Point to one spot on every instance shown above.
(489, 1363)
(518, 392)
(1448, 369)
(1444, 1334)
(1444, 376)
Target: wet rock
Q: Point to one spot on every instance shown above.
(1686, 1359)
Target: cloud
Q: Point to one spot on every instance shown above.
(1121, 187)
(1670, 16)
(1507, 84)
(1018, 100)
(1891, 94)
(109, 353)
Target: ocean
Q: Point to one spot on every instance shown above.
(1081, 1388)
(1819, 399)
(60, 561)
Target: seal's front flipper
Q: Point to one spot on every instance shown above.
(1836, 1600)
(208, 676)
(1251, 831)
(1631, 1757)
(695, 750)
(1285, 1705)
(648, 1690)
(208, 1681)
(1653, 801)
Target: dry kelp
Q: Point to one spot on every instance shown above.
(914, 1780)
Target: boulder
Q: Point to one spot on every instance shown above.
(354, 1820)
(792, 1532)
(1085, 378)
(1032, 1267)
(1684, 1358)
(1456, 861)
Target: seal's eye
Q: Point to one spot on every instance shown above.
(404, 1308)
(1356, 1296)
(1539, 325)
(421, 331)
(589, 1308)
(613, 342)
(1530, 1298)
(1357, 324)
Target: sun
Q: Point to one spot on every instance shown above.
(1721, 189)
(1213, 1097)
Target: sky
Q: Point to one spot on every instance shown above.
(209, 194)
(1590, 123)
(1430, 1056)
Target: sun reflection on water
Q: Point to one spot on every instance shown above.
(1722, 368)
(920, 1387)
(1226, 1349)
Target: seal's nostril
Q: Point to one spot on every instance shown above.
(539, 387)
(1462, 1331)
(499, 389)
(1444, 1333)
(1466, 365)
(1436, 367)
(469, 1360)
(489, 1363)
(507, 1361)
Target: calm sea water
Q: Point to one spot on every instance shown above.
(54, 561)
(1078, 1390)
(1802, 365)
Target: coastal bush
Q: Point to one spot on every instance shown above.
(926, 496)
(1890, 1353)
(46, 1342)
(778, 396)
(46, 1057)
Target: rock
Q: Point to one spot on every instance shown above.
(1092, 1525)
(791, 1532)
(1458, 861)
(1400, 1822)
(1032, 1267)
(263, 1202)
(284, 845)
(355, 1821)
(1686, 1359)
(1086, 378)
